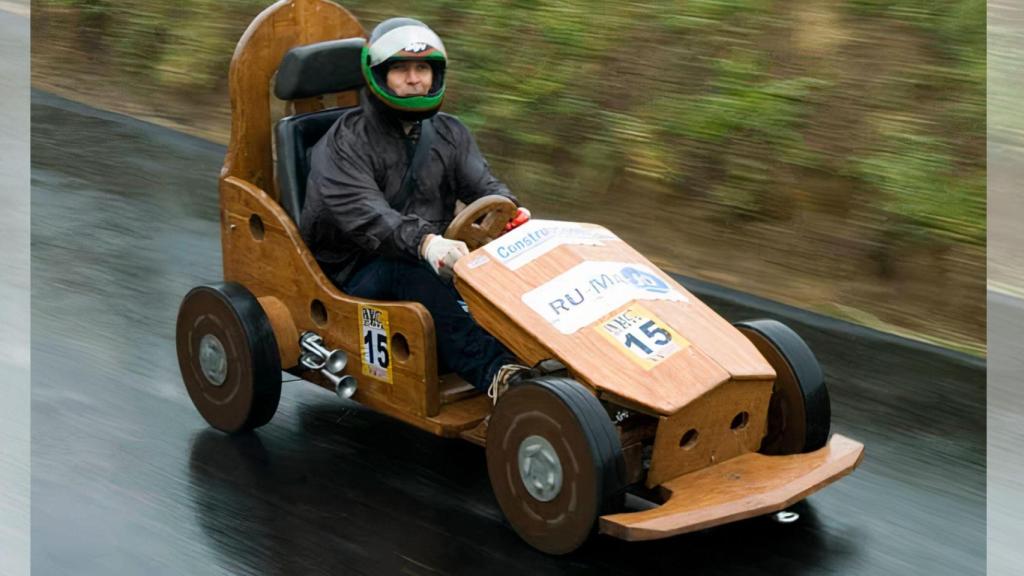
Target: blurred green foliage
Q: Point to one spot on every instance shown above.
(918, 176)
(959, 25)
(730, 102)
(921, 168)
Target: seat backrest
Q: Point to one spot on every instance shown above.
(296, 136)
(305, 72)
(252, 74)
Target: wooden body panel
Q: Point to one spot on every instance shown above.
(519, 341)
(744, 487)
(279, 267)
(712, 353)
(724, 423)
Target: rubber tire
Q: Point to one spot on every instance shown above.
(573, 420)
(249, 396)
(800, 413)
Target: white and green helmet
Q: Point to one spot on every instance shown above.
(404, 39)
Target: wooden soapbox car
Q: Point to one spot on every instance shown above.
(640, 388)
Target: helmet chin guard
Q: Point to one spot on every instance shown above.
(404, 40)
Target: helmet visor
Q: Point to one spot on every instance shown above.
(407, 42)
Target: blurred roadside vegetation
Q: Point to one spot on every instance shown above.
(826, 153)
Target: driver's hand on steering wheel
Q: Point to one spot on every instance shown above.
(522, 216)
(442, 254)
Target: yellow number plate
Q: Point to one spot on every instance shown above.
(645, 338)
(375, 346)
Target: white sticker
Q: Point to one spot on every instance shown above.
(478, 262)
(591, 290)
(538, 237)
(376, 343)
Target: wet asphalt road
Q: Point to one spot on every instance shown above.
(128, 479)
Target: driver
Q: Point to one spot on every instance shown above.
(374, 241)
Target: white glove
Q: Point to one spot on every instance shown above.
(442, 254)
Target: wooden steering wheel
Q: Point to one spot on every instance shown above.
(482, 221)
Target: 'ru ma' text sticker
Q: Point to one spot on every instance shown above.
(590, 290)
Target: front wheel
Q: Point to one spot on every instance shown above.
(228, 357)
(554, 460)
(799, 412)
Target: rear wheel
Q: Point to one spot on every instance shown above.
(228, 357)
(799, 413)
(555, 462)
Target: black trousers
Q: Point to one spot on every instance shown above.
(463, 347)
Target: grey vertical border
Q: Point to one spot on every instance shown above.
(1006, 287)
(15, 397)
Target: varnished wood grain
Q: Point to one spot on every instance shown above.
(746, 486)
(478, 434)
(280, 266)
(285, 333)
(528, 349)
(717, 353)
(482, 221)
(712, 416)
(453, 388)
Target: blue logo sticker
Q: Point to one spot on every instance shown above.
(645, 281)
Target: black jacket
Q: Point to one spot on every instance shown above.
(352, 212)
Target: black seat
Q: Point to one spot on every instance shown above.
(306, 71)
(296, 136)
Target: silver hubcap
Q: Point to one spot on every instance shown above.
(213, 360)
(540, 468)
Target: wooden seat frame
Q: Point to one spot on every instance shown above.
(263, 250)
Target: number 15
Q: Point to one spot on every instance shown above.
(651, 331)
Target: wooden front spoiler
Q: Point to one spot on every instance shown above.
(742, 487)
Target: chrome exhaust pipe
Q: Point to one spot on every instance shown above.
(344, 385)
(330, 363)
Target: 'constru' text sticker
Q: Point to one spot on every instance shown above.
(538, 237)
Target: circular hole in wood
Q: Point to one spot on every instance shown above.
(318, 312)
(689, 440)
(740, 421)
(399, 347)
(256, 227)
